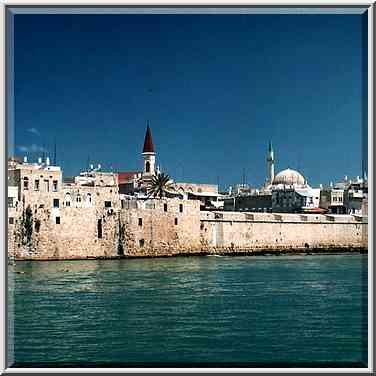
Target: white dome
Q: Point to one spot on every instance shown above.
(289, 177)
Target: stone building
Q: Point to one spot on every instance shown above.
(88, 216)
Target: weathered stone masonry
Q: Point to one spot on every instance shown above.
(167, 227)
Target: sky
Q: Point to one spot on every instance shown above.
(214, 88)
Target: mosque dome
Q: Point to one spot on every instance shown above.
(289, 177)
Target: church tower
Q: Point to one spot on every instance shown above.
(270, 160)
(148, 153)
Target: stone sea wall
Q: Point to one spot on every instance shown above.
(170, 227)
(241, 232)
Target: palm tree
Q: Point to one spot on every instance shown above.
(159, 185)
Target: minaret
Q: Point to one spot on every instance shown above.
(149, 154)
(270, 160)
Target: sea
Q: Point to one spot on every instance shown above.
(206, 311)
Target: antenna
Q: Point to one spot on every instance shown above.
(55, 153)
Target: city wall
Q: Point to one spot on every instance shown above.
(167, 227)
(247, 232)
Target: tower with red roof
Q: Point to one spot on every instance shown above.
(148, 152)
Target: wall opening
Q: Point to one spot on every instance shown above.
(140, 222)
(57, 220)
(99, 228)
(141, 242)
(37, 225)
(181, 208)
(107, 204)
(165, 207)
(56, 202)
(176, 221)
(147, 166)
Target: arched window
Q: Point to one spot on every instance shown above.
(147, 166)
(78, 200)
(67, 199)
(88, 199)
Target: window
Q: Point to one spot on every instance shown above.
(58, 220)
(26, 184)
(37, 225)
(10, 202)
(107, 204)
(181, 208)
(36, 185)
(54, 185)
(78, 198)
(165, 207)
(47, 185)
(88, 199)
(147, 166)
(176, 221)
(141, 242)
(99, 228)
(67, 203)
(340, 199)
(11, 220)
(56, 202)
(140, 221)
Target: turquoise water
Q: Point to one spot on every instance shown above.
(192, 311)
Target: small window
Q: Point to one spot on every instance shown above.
(58, 220)
(56, 202)
(67, 203)
(10, 202)
(165, 207)
(141, 242)
(181, 208)
(140, 221)
(107, 204)
(36, 185)
(122, 204)
(176, 221)
(54, 185)
(26, 184)
(78, 198)
(47, 185)
(37, 225)
(147, 166)
(11, 220)
(99, 228)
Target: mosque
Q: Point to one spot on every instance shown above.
(285, 192)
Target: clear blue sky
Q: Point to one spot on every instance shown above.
(215, 88)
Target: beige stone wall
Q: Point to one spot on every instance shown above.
(255, 231)
(145, 228)
(196, 188)
(150, 230)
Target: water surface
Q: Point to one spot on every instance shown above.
(241, 311)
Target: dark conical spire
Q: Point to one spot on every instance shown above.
(148, 143)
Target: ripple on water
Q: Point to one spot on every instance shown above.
(196, 309)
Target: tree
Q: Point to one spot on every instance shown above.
(159, 185)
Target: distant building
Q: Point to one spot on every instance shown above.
(345, 197)
(285, 192)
